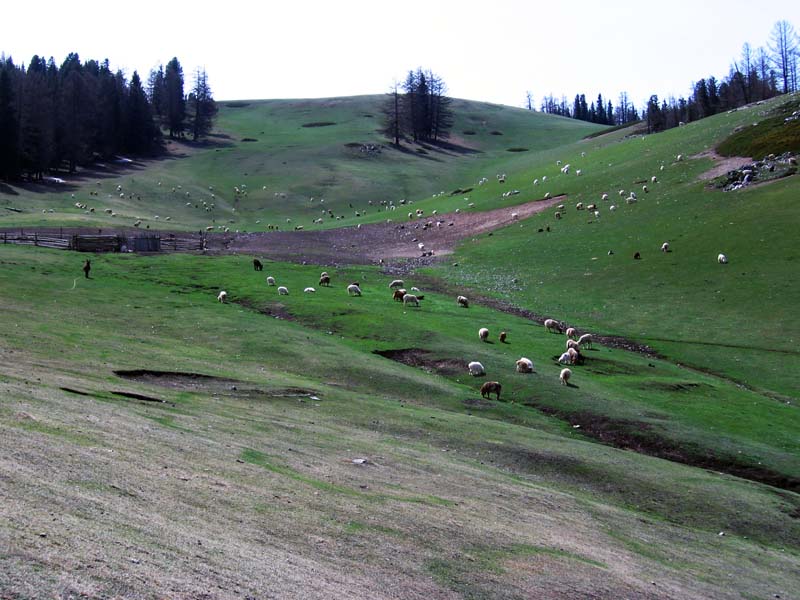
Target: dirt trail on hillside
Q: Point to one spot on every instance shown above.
(374, 242)
(723, 164)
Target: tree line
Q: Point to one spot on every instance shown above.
(57, 118)
(758, 74)
(418, 109)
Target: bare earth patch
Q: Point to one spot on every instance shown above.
(723, 164)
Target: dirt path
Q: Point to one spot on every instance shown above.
(374, 242)
(723, 164)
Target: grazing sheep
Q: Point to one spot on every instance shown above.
(270, 280)
(557, 215)
(397, 283)
(665, 247)
(283, 291)
(572, 332)
(411, 299)
(462, 301)
(679, 158)
(575, 355)
(524, 365)
(564, 359)
(604, 197)
(222, 296)
(483, 334)
(476, 369)
(323, 274)
(637, 256)
(644, 189)
(579, 206)
(564, 376)
(578, 172)
(309, 290)
(654, 179)
(325, 280)
(257, 265)
(502, 337)
(573, 344)
(353, 290)
(398, 295)
(592, 207)
(551, 325)
(722, 259)
(585, 340)
(489, 388)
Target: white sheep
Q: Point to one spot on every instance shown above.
(411, 299)
(722, 259)
(572, 332)
(397, 283)
(483, 334)
(462, 301)
(270, 280)
(552, 325)
(665, 247)
(654, 179)
(309, 290)
(578, 172)
(222, 296)
(644, 189)
(604, 197)
(476, 369)
(565, 359)
(283, 291)
(573, 355)
(585, 340)
(573, 344)
(514, 216)
(564, 376)
(415, 290)
(353, 290)
(524, 365)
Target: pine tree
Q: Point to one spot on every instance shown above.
(174, 101)
(9, 152)
(202, 107)
(156, 91)
(140, 127)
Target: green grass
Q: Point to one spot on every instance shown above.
(772, 134)
(289, 164)
(727, 387)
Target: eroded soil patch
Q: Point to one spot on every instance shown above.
(419, 357)
(640, 437)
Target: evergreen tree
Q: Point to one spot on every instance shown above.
(37, 143)
(156, 91)
(174, 101)
(9, 152)
(140, 127)
(202, 107)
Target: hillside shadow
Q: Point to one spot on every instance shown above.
(7, 189)
(450, 148)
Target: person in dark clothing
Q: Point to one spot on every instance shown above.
(87, 266)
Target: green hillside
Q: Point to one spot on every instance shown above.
(156, 442)
(287, 163)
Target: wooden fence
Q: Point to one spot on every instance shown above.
(106, 243)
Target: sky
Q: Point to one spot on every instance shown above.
(494, 50)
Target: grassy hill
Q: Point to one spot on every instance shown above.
(298, 150)
(337, 445)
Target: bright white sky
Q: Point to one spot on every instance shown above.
(493, 50)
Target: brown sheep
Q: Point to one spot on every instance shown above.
(325, 280)
(503, 336)
(398, 295)
(491, 387)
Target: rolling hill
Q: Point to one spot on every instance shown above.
(157, 442)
